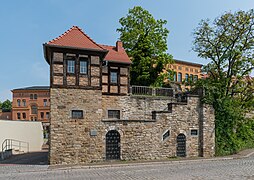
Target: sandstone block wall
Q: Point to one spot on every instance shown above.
(72, 140)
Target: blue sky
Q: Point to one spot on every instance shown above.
(26, 25)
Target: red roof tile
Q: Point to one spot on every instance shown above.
(75, 37)
(117, 56)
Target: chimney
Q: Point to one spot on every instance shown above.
(119, 46)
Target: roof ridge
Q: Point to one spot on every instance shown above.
(107, 45)
(69, 30)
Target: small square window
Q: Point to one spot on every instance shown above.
(77, 114)
(165, 135)
(194, 132)
(114, 114)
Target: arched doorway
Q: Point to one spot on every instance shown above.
(181, 145)
(112, 145)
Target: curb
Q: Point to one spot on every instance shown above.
(53, 167)
(91, 166)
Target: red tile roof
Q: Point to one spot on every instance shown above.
(114, 55)
(75, 37)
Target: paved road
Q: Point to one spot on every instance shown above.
(219, 169)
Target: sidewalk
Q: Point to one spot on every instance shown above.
(243, 154)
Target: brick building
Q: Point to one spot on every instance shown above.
(31, 104)
(185, 70)
(96, 115)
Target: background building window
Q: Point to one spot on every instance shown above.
(114, 114)
(77, 114)
(165, 135)
(18, 102)
(47, 115)
(186, 77)
(24, 102)
(24, 115)
(71, 66)
(179, 79)
(194, 132)
(175, 76)
(18, 115)
(191, 77)
(83, 67)
(31, 96)
(113, 77)
(44, 102)
(35, 96)
(42, 115)
(34, 109)
(180, 67)
(195, 78)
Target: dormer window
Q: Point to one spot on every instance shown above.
(71, 66)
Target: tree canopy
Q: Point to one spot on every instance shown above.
(145, 41)
(6, 105)
(228, 42)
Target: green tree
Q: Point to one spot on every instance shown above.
(0, 105)
(6, 105)
(228, 42)
(145, 41)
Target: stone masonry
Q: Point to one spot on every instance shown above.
(141, 135)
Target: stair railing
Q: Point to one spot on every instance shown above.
(14, 144)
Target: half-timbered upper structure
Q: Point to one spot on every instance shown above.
(76, 61)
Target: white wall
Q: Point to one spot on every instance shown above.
(28, 131)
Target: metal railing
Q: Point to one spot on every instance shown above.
(9, 144)
(151, 91)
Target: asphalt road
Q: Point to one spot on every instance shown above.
(200, 169)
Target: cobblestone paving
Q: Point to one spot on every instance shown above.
(219, 169)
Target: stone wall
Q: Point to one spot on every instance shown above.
(72, 140)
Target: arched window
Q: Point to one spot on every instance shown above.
(179, 79)
(18, 102)
(34, 109)
(24, 102)
(191, 77)
(186, 77)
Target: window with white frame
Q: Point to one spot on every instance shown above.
(113, 77)
(70, 66)
(83, 66)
